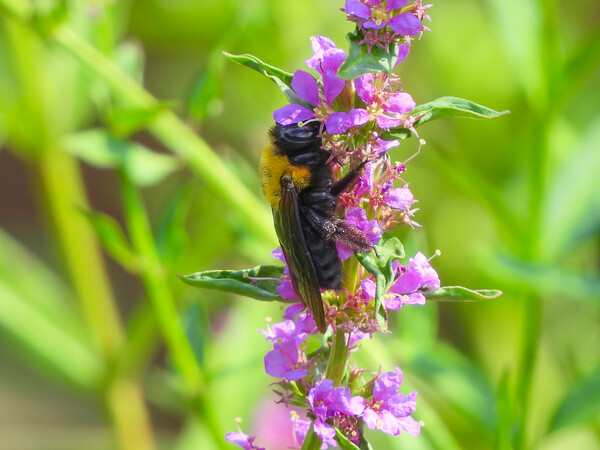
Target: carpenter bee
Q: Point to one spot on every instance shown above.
(298, 183)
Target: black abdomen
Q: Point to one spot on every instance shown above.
(317, 208)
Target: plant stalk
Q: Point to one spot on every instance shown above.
(63, 190)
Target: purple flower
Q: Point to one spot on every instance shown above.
(365, 89)
(281, 331)
(290, 114)
(326, 60)
(242, 440)
(390, 411)
(420, 276)
(283, 360)
(357, 217)
(340, 122)
(399, 198)
(377, 14)
(396, 105)
(327, 401)
(369, 288)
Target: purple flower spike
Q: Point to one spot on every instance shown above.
(406, 24)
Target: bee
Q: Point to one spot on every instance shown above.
(298, 183)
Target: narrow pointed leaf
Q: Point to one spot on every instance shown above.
(259, 282)
(345, 443)
(444, 107)
(581, 404)
(379, 263)
(113, 239)
(100, 149)
(281, 78)
(462, 294)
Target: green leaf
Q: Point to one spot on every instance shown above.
(113, 239)
(546, 280)
(462, 294)
(444, 107)
(379, 263)
(171, 236)
(282, 79)
(457, 381)
(194, 323)
(581, 403)
(143, 166)
(573, 196)
(129, 56)
(345, 443)
(360, 61)
(259, 282)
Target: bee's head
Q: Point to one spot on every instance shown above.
(294, 139)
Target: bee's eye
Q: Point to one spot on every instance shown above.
(296, 133)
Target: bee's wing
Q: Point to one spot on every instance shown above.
(293, 244)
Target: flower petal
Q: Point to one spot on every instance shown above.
(344, 252)
(305, 85)
(357, 9)
(365, 88)
(338, 123)
(403, 51)
(332, 86)
(392, 5)
(358, 116)
(399, 103)
(406, 24)
(286, 290)
(399, 198)
(292, 114)
(372, 25)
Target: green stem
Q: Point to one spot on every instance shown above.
(64, 192)
(172, 132)
(338, 358)
(311, 440)
(154, 278)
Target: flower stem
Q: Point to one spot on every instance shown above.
(311, 441)
(338, 358)
(63, 192)
(172, 132)
(154, 278)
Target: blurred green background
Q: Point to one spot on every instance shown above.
(105, 197)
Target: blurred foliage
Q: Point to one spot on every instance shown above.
(512, 204)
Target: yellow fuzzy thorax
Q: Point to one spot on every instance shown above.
(273, 166)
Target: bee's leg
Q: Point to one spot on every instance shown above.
(351, 237)
(348, 180)
(319, 223)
